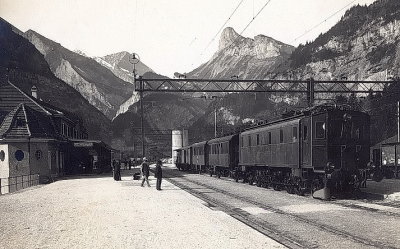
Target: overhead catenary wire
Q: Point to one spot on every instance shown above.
(251, 21)
(326, 19)
(254, 17)
(223, 25)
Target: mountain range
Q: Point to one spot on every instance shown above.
(102, 88)
(23, 65)
(363, 45)
(242, 57)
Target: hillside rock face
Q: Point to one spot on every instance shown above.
(363, 45)
(96, 83)
(27, 67)
(119, 64)
(243, 57)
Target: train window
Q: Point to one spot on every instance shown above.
(305, 132)
(258, 139)
(281, 136)
(294, 134)
(269, 138)
(320, 130)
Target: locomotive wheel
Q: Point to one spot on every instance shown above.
(290, 189)
(316, 185)
(251, 179)
(236, 174)
(299, 188)
(389, 174)
(258, 181)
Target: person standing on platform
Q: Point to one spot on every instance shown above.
(158, 174)
(114, 164)
(117, 171)
(145, 172)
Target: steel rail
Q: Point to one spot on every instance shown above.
(328, 228)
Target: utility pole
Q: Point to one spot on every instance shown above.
(215, 122)
(396, 174)
(310, 92)
(135, 60)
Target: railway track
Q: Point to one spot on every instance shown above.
(287, 239)
(355, 206)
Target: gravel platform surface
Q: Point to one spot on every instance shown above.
(98, 212)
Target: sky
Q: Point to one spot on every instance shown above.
(170, 35)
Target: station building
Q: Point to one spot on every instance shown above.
(38, 138)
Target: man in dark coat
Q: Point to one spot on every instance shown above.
(158, 174)
(145, 172)
(114, 163)
(118, 171)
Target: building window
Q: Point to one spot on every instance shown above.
(19, 155)
(269, 138)
(38, 154)
(19, 122)
(249, 140)
(258, 139)
(281, 136)
(320, 130)
(2, 155)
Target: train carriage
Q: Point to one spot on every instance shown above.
(200, 156)
(186, 157)
(178, 160)
(223, 155)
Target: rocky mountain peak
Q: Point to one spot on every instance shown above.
(228, 36)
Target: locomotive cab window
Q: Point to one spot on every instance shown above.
(294, 131)
(320, 130)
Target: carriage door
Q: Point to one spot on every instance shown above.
(305, 144)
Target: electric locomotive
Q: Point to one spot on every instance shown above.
(324, 146)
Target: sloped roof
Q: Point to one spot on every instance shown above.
(11, 119)
(11, 95)
(25, 121)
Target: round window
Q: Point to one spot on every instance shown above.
(2, 155)
(38, 154)
(19, 155)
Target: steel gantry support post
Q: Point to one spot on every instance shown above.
(310, 92)
(141, 87)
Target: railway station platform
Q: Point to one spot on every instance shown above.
(98, 212)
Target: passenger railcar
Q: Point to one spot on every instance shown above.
(223, 155)
(184, 158)
(199, 156)
(178, 160)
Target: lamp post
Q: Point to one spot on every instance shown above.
(134, 59)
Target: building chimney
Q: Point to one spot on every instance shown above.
(34, 91)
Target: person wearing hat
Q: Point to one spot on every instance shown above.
(158, 174)
(145, 172)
